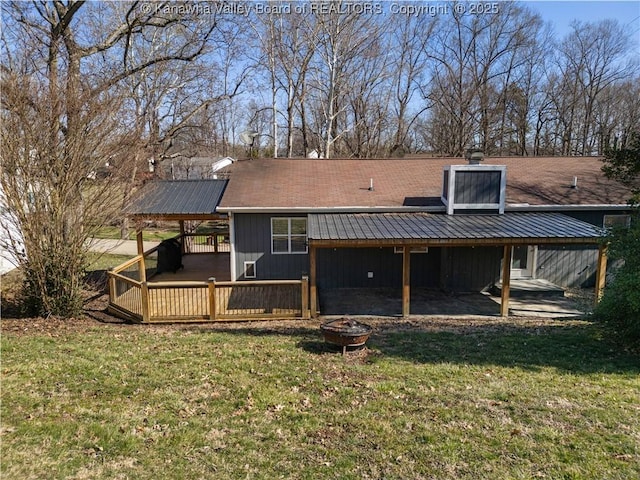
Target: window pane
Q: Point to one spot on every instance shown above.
(249, 269)
(298, 226)
(617, 221)
(298, 243)
(520, 256)
(280, 245)
(280, 226)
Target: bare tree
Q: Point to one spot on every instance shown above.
(341, 37)
(66, 137)
(410, 39)
(590, 58)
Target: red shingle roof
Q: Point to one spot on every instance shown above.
(344, 183)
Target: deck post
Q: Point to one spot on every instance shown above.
(139, 242)
(144, 296)
(506, 280)
(212, 298)
(601, 272)
(304, 286)
(142, 271)
(313, 289)
(112, 286)
(406, 281)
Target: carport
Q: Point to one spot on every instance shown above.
(418, 230)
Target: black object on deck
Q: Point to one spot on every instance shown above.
(169, 256)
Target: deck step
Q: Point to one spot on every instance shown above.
(531, 287)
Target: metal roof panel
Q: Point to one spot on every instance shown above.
(427, 226)
(178, 197)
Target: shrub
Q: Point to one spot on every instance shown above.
(620, 304)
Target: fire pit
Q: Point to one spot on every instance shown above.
(346, 333)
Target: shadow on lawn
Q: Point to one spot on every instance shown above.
(579, 348)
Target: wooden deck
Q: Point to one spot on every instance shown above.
(199, 268)
(187, 295)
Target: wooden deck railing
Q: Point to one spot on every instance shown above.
(225, 301)
(125, 289)
(205, 243)
(133, 297)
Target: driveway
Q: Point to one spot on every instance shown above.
(118, 247)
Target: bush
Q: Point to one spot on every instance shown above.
(620, 304)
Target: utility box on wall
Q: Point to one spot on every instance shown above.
(474, 188)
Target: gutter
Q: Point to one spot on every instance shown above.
(514, 207)
(436, 209)
(523, 207)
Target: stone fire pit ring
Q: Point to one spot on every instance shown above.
(346, 332)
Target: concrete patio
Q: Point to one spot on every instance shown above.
(388, 302)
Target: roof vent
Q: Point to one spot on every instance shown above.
(474, 156)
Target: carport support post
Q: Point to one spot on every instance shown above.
(406, 281)
(601, 272)
(313, 288)
(506, 280)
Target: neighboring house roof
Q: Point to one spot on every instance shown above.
(403, 184)
(522, 228)
(177, 197)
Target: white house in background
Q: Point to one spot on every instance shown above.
(196, 168)
(9, 235)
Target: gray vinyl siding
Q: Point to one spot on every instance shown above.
(252, 234)
(592, 217)
(445, 184)
(349, 267)
(470, 269)
(595, 217)
(453, 269)
(567, 265)
(477, 187)
(573, 266)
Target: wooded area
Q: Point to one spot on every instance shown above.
(344, 82)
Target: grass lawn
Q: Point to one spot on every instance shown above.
(445, 399)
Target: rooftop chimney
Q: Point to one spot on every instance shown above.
(474, 156)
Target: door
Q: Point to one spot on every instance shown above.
(522, 261)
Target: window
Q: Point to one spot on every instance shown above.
(249, 269)
(611, 221)
(289, 235)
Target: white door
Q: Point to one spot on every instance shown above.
(522, 261)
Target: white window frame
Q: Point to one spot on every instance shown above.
(289, 235)
(245, 269)
(616, 216)
(449, 200)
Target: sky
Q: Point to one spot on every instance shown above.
(562, 13)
